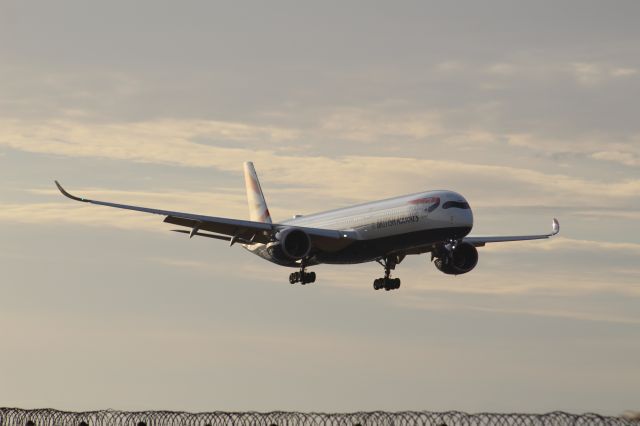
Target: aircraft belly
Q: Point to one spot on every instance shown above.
(374, 248)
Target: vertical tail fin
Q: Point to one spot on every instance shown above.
(258, 210)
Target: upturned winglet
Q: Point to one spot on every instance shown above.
(66, 194)
(556, 227)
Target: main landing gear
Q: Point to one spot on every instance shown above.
(302, 277)
(387, 282)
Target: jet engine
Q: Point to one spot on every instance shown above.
(293, 243)
(459, 260)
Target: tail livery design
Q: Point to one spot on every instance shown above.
(258, 210)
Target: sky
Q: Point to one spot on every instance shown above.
(529, 109)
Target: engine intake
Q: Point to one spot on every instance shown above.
(459, 261)
(294, 243)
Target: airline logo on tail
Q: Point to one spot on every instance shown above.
(258, 210)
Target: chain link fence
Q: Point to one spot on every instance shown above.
(50, 417)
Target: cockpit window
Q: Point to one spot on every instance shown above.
(456, 205)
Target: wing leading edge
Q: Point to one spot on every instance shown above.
(242, 231)
(481, 241)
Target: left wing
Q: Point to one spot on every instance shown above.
(241, 231)
(481, 241)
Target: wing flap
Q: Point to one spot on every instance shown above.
(200, 234)
(238, 230)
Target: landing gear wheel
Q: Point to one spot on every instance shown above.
(376, 284)
(387, 282)
(308, 277)
(392, 284)
(302, 277)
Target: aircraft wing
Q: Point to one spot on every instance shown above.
(481, 241)
(242, 231)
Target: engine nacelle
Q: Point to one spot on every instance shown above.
(460, 261)
(294, 243)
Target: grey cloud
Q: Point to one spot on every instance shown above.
(626, 158)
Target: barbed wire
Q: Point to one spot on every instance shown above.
(51, 417)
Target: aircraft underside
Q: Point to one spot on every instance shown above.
(370, 250)
(382, 250)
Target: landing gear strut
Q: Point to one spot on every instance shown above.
(388, 283)
(302, 277)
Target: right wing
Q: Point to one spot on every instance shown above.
(242, 231)
(481, 241)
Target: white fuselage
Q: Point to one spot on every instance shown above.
(399, 223)
(376, 219)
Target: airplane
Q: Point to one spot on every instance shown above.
(385, 231)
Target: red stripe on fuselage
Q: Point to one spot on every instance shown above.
(427, 200)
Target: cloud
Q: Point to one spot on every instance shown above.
(450, 66)
(506, 306)
(65, 213)
(360, 125)
(502, 69)
(222, 200)
(171, 142)
(481, 291)
(587, 74)
(626, 158)
(535, 67)
(592, 73)
(623, 72)
(611, 148)
(560, 313)
(219, 202)
(256, 269)
(619, 215)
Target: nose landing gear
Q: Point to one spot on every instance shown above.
(388, 283)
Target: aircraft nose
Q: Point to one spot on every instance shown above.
(467, 218)
(460, 213)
